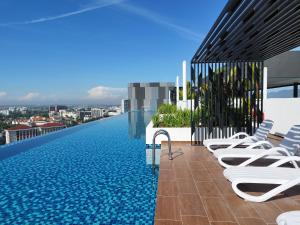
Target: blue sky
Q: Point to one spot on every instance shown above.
(71, 51)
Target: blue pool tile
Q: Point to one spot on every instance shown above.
(95, 174)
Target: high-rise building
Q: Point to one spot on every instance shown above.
(149, 96)
(124, 105)
(97, 113)
(84, 114)
(54, 109)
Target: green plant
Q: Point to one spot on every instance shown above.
(177, 117)
(167, 109)
(188, 89)
(156, 120)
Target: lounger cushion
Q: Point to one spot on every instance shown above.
(272, 175)
(289, 218)
(217, 141)
(239, 152)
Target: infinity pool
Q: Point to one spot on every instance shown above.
(90, 174)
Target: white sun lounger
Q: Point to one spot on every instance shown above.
(289, 146)
(235, 140)
(285, 177)
(289, 218)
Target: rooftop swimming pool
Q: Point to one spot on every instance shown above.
(90, 174)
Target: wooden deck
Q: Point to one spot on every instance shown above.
(192, 190)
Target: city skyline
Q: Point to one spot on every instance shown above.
(73, 53)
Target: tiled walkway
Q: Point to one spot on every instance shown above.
(192, 190)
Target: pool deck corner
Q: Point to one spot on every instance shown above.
(193, 191)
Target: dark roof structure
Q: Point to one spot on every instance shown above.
(252, 30)
(51, 125)
(283, 69)
(20, 127)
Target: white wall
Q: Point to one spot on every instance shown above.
(285, 112)
(176, 134)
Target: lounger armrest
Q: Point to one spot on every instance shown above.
(238, 135)
(242, 141)
(260, 143)
(293, 159)
(264, 154)
(264, 197)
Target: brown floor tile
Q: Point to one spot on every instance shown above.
(191, 204)
(251, 221)
(217, 210)
(166, 175)
(224, 186)
(167, 165)
(195, 220)
(239, 207)
(207, 189)
(167, 222)
(186, 186)
(201, 175)
(167, 188)
(193, 190)
(287, 204)
(183, 173)
(223, 223)
(196, 165)
(267, 211)
(167, 208)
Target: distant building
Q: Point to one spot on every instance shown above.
(114, 112)
(4, 112)
(50, 127)
(97, 113)
(84, 114)
(54, 109)
(38, 120)
(22, 132)
(12, 109)
(21, 121)
(148, 96)
(124, 105)
(66, 114)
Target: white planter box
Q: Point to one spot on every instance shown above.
(176, 134)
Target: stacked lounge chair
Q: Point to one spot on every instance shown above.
(284, 177)
(241, 138)
(289, 146)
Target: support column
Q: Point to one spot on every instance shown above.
(177, 90)
(184, 91)
(295, 92)
(265, 83)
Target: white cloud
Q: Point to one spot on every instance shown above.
(107, 94)
(156, 18)
(30, 96)
(2, 94)
(99, 5)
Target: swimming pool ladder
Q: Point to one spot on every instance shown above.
(159, 132)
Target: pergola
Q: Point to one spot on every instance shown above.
(227, 70)
(284, 71)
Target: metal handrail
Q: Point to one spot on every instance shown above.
(159, 132)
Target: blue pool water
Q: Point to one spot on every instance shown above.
(90, 174)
